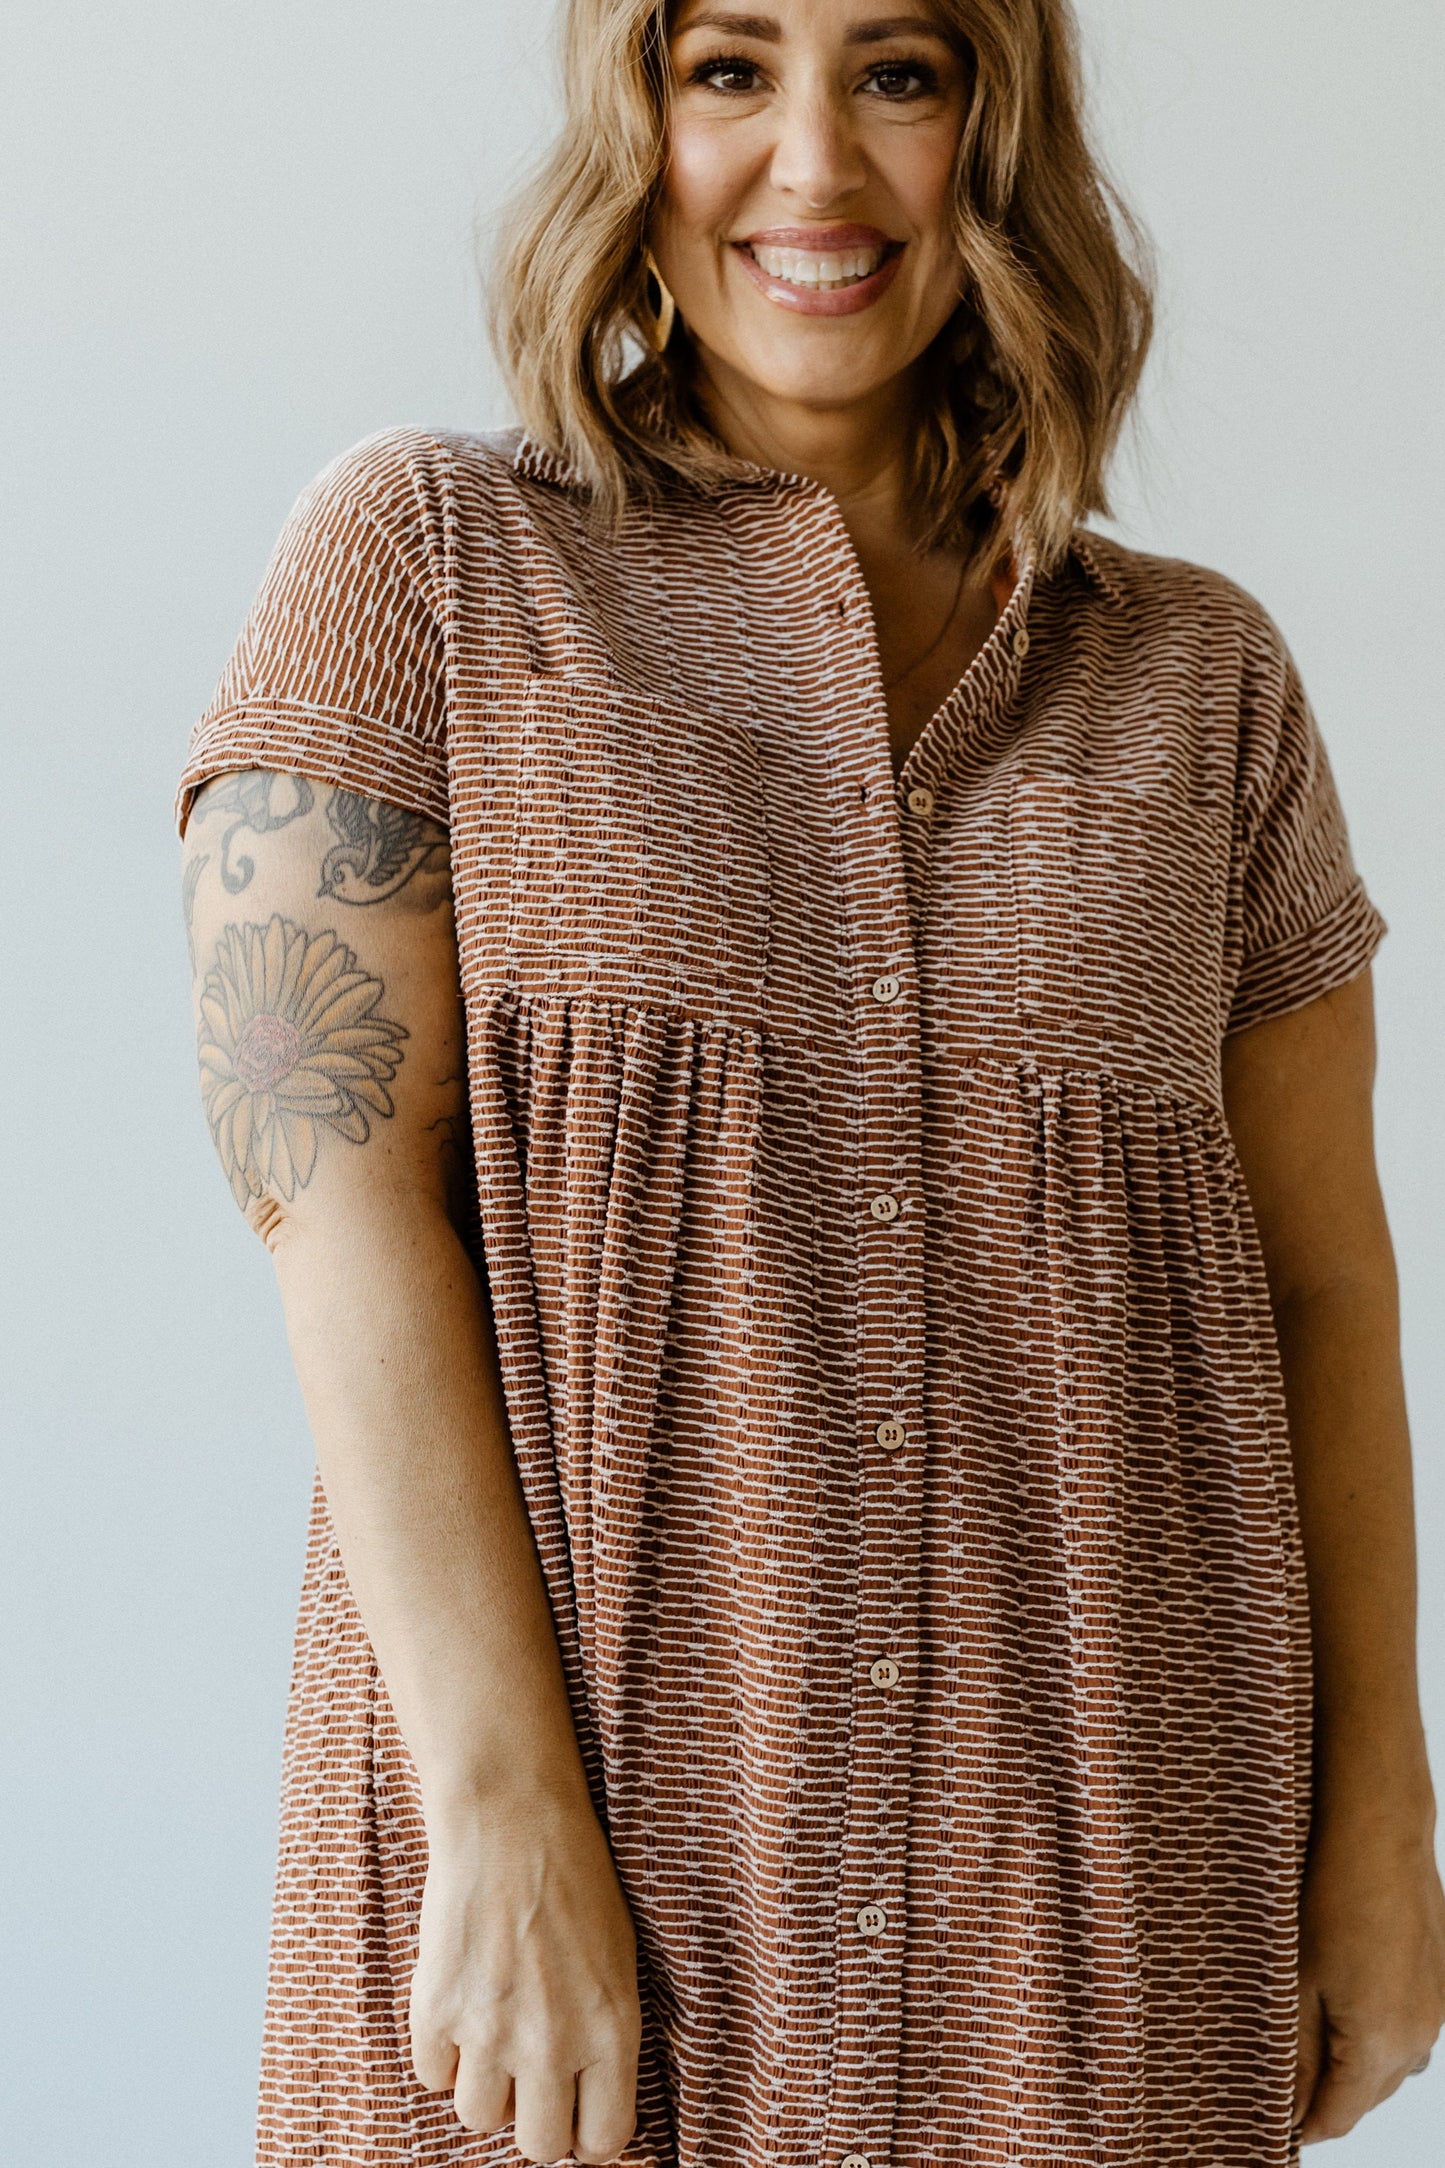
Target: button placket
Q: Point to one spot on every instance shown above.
(887, 836)
(870, 1895)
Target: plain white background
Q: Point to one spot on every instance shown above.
(237, 238)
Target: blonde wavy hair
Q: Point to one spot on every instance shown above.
(1026, 388)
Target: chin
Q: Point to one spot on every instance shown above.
(807, 374)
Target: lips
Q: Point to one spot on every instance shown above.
(821, 270)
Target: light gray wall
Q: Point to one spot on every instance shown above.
(235, 239)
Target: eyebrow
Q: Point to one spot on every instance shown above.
(768, 31)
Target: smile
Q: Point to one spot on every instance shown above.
(800, 267)
(829, 271)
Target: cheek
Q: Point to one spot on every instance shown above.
(919, 169)
(705, 178)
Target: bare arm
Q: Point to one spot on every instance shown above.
(1298, 1093)
(332, 1057)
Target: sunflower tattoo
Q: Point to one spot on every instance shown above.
(290, 1044)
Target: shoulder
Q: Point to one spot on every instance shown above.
(1162, 599)
(1183, 613)
(1204, 658)
(419, 530)
(1205, 647)
(413, 485)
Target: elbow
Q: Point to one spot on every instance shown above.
(257, 1200)
(343, 1221)
(268, 1218)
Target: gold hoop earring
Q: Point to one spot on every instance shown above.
(658, 315)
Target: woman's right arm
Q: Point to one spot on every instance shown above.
(332, 1061)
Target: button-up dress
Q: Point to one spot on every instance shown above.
(888, 1355)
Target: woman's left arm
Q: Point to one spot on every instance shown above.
(1298, 1093)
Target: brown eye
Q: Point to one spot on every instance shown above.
(901, 80)
(727, 73)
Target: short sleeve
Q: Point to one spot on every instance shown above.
(1303, 923)
(340, 669)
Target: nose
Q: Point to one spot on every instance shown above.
(816, 157)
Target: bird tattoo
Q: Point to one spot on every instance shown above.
(380, 847)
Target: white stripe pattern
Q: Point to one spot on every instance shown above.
(1030, 1899)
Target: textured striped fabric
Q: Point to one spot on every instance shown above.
(888, 1354)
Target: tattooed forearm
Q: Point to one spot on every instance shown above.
(380, 847)
(291, 1048)
(259, 799)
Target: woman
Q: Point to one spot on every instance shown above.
(798, 1028)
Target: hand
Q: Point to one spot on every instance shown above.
(524, 2000)
(1372, 1969)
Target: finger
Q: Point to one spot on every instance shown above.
(434, 2059)
(483, 2095)
(1348, 2090)
(546, 2104)
(606, 2109)
(1310, 2054)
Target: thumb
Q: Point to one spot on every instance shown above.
(1311, 2051)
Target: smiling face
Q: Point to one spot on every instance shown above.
(804, 223)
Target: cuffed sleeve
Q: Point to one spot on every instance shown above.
(340, 669)
(1303, 922)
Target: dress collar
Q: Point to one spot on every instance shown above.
(535, 461)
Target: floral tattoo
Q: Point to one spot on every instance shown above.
(251, 800)
(290, 1046)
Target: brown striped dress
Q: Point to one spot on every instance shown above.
(888, 1354)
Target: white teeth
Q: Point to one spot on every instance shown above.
(809, 267)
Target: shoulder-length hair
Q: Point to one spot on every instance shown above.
(1026, 388)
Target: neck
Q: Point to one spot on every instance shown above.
(860, 452)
